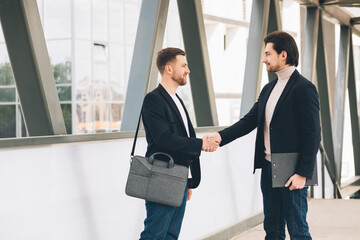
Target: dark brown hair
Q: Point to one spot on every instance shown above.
(282, 41)
(166, 55)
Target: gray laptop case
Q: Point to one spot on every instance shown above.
(283, 166)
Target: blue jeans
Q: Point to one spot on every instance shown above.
(282, 206)
(162, 221)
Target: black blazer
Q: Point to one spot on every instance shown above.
(161, 137)
(294, 127)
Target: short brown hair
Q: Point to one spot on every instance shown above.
(284, 42)
(166, 55)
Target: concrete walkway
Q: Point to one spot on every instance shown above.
(331, 219)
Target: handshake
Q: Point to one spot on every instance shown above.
(211, 142)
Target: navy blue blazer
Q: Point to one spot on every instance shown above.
(160, 135)
(294, 127)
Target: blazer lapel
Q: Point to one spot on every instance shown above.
(266, 97)
(287, 88)
(171, 103)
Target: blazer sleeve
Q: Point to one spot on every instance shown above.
(308, 103)
(154, 117)
(242, 127)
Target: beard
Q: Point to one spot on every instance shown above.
(180, 80)
(270, 68)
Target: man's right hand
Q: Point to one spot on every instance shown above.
(211, 142)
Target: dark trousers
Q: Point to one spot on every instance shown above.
(282, 206)
(163, 222)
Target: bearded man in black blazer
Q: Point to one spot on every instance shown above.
(164, 222)
(286, 116)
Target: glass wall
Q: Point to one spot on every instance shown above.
(348, 164)
(103, 45)
(227, 44)
(8, 96)
(91, 42)
(104, 36)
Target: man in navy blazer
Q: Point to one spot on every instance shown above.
(176, 138)
(286, 116)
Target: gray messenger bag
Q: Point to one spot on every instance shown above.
(156, 180)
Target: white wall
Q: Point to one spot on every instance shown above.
(76, 191)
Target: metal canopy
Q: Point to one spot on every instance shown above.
(334, 10)
(353, 3)
(315, 67)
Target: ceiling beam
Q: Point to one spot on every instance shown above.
(342, 16)
(340, 2)
(354, 21)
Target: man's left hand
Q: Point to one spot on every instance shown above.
(189, 194)
(296, 181)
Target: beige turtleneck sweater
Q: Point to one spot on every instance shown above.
(283, 78)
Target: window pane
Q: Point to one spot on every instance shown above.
(102, 115)
(60, 58)
(100, 52)
(64, 93)
(7, 121)
(116, 12)
(233, 9)
(132, 12)
(117, 64)
(66, 110)
(83, 94)
(6, 75)
(62, 72)
(7, 95)
(82, 19)
(2, 40)
(117, 94)
(82, 62)
(101, 94)
(100, 73)
(57, 19)
(100, 20)
(84, 123)
(115, 118)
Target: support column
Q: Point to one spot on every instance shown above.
(322, 82)
(149, 40)
(30, 63)
(355, 128)
(193, 30)
(310, 43)
(339, 106)
(253, 67)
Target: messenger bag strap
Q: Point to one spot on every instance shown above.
(136, 134)
(138, 125)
